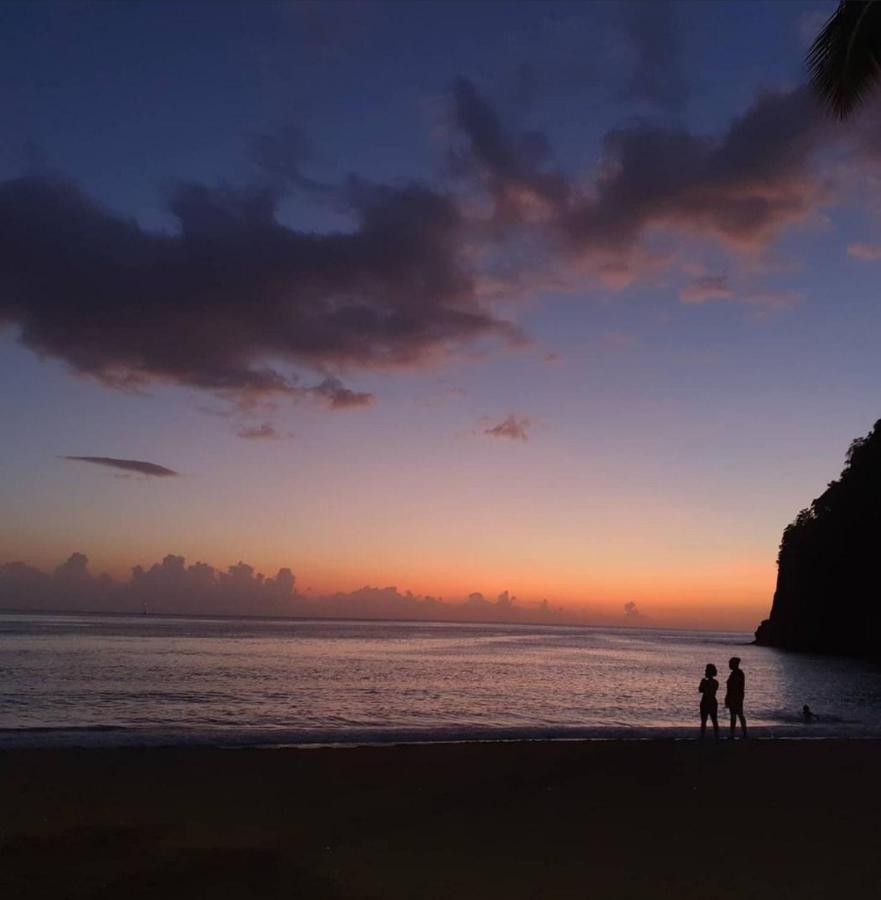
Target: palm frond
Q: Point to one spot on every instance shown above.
(845, 58)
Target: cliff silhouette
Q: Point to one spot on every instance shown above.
(829, 565)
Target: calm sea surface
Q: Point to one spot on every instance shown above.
(148, 680)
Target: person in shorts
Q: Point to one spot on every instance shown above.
(735, 689)
(709, 704)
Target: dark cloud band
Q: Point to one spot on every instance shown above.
(127, 465)
(235, 302)
(234, 295)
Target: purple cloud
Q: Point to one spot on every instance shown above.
(234, 293)
(337, 396)
(264, 432)
(510, 166)
(127, 465)
(707, 287)
(514, 428)
(742, 188)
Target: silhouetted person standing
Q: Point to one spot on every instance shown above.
(709, 704)
(735, 688)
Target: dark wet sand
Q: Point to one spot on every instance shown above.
(539, 820)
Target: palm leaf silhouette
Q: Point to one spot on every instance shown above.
(845, 57)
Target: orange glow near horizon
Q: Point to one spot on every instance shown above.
(589, 519)
(415, 321)
(732, 594)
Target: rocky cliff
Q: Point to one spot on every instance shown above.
(828, 596)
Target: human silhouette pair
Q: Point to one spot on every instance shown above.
(734, 690)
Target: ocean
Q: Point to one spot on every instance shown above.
(69, 680)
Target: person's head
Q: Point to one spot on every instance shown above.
(734, 662)
(806, 709)
(710, 671)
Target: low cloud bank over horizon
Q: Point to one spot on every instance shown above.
(175, 588)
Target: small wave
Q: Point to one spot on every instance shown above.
(102, 736)
(61, 729)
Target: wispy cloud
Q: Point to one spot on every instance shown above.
(514, 428)
(511, 166)
(264, 432)
(337, 396)
(127, 465)
(707, 287)
(865, 252)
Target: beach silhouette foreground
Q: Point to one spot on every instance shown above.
(518, 820)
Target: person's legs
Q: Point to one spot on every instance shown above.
(737, 713)
(703, 722)
(715, 719)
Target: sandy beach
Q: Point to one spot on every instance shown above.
(538, 820)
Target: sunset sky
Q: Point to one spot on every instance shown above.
(577, 301)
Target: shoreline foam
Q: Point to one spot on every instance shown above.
(110, 737)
